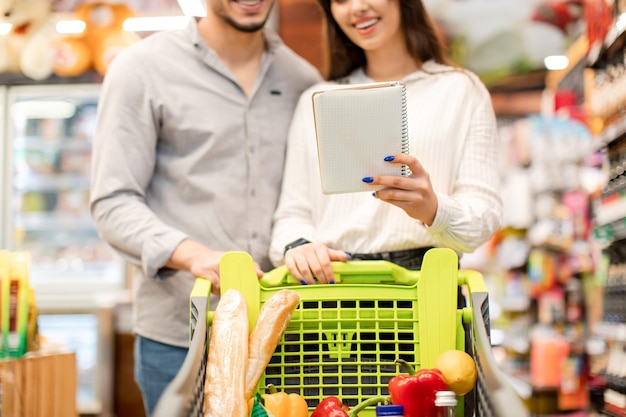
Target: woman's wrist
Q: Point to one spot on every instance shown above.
(298, 242)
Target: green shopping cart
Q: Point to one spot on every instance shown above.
(343, 339)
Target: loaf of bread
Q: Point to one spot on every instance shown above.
(227, 359)
(273, 319)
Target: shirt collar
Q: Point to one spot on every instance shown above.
(428, 68)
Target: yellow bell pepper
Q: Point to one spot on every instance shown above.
(282, 404)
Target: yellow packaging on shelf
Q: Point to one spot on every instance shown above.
(32, 329)
(17, 304)
(4, 304)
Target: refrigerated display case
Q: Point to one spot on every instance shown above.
(87, 331)
(4, 160)
(45, 144)
(48, 137)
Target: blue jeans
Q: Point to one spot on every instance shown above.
(156, 365)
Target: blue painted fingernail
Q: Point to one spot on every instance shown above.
(367, 179)
(374, 193)
(332, 282)
(389, 158)
(349, 256)
(303, 282)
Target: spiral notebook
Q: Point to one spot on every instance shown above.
(356, 127)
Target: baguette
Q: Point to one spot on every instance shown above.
(227, 358)
(269, 328)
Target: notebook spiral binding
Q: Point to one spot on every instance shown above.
(406, 171)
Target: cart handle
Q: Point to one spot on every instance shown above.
(473, 279)
(199, 298)
(350, 272)
(478, 291)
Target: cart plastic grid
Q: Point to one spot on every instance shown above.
(343, 339)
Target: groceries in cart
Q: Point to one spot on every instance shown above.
(416, 391)
(343, 344)
(239, 355)
(236, 359)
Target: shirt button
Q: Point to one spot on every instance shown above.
(254, 235)
(251, 149)
(252, 193)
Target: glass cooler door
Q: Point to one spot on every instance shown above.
(50, 128)
(4, 161)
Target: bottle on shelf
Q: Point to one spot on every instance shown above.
(445, 401)
(389, 410)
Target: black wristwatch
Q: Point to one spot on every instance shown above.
(295, 244)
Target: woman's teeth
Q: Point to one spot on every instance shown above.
(249, 3)
(365, 25)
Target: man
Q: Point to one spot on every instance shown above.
(187, 164)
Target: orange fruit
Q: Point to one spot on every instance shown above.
(458, 369)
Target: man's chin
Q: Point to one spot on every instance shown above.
(250, 24)
(251, 28)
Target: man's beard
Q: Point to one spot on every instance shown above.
(249, 28)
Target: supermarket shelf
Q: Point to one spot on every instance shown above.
(513, 304)
(63, 282)
(12, 78)
(608, 213)
(610, 134)
(61, 144)
(614, 402)
(617, 229)
(613, 36)
(607, 413)
(53, 221)
(51, 183)
(613, 331)
(611, 232)
(613, 41)
(576, 55)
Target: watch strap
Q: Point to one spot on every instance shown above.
(298, 242)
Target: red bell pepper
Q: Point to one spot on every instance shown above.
(333, 407)
(416, 390)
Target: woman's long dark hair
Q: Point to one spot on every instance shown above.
(422, 40)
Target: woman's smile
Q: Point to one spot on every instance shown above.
(366, 25)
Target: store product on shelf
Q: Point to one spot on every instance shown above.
(27, 48)
(614, 307)
(99, 43)
(615, 393)
(545, 262)
(548, 352)
(18, 310)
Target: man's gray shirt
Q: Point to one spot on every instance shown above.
(181, 151)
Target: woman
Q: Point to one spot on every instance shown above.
(450, 200)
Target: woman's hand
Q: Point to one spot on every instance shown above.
(313, 261)
(413, 194)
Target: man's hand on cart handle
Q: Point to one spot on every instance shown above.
(312, 261)
(201, 262)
